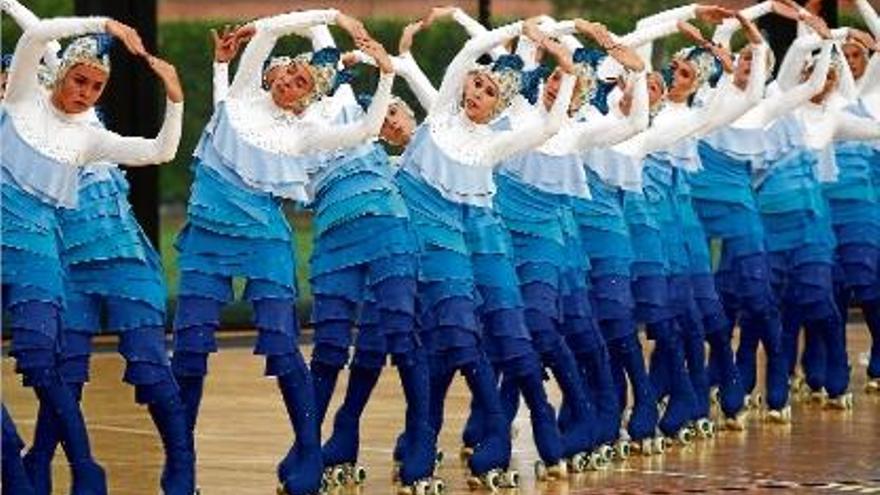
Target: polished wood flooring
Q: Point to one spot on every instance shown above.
(243, 431)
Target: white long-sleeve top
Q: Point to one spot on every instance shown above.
(677, 122)
(407, 67)
(725, 31)
(72, 139)
(25, 20)
(260, 122)
(478, 144)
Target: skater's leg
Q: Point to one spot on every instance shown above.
(14, 477)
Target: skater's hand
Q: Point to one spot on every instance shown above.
(168, 74)
(128, 36)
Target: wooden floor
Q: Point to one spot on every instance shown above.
(243, 431)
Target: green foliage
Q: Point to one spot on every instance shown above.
(42, 8)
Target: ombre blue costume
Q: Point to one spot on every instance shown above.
(40, 179)
(364, 269)
(468, 289)
(855, 215)
(533, 201)
(801, 245)
(235, 223)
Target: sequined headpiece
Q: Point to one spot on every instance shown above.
(709, 68)
(6, 62)
(322, 66)
(92, 50)
(507, 73)
(365, 100)
(592, 89)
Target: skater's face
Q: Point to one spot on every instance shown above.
(480, 97)
(551, 90)
(655, 88)
(291, 86)
(743, 68)
(684, 80)
(856, 58)
(830, 86)
(79, 89)
(398, 125)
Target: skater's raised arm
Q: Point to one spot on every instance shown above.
(25, 19)
(248, 77)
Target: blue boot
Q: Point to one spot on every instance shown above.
(421, 441)
(643, 421)
(659, 370)
(731, 392)
(38, 460)
(596, 367)
(579, 436)
(15, 479)
(342, 447)
(777, 378)
(544, 428)
(88, 477)
(324, 377)
(682, 400)
(170, 417)
(791, 333)
(747, 352)
(493, 451)
(474, 429)
(830, 334)
(871, 310)
(301, 471)
(814, 359)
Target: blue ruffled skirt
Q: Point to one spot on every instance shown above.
(31, 241)
(106, 252)
(234, 231)
(855, 215)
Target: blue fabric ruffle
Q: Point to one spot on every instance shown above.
(233, 232)
(456, 182)
(32, 268)
(792, 207)
(602, 227)
(222, 149)
(552, 174)
(615, 168)
(48, 180)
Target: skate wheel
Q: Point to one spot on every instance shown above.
(360, 475)
(659, 445)
(705, 428)
(647, 446)
(540, 471)
(558, 471)
(873, 386)
(685, 436)
(438, 487)
(338, 476)
(511, 479)
(493, 481)
(594, 462)
(781, 416)
(581, 462)
(474, 483)
(607, 453)
(623, 449)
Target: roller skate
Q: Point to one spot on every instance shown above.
(305, 476)
(779, 416)
(737, 422)
(674, 423)
(705, 428)
(842, 402)
(340, 456)
(555, 472)
(754, 401)
(416, 473)
(797, 385)
(816, 396)
(88, 477)
(495, 480)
